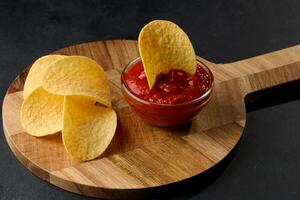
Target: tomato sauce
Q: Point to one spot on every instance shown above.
(174, 87)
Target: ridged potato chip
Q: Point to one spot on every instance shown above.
(87, 129)
(37, 71)
(42, 113)
(78, 75)
(164, 46)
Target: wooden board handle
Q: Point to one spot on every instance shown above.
(262, 71)
(233, 81)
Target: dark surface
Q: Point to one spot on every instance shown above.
(267, 162)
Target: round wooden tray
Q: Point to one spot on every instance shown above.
(143, 156)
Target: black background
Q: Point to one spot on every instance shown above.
(267, 163)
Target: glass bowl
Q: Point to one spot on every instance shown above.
(165, 114)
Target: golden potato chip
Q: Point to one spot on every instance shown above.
(87, 129)
(78, 75)
(37, 71)
(42, 113)
(60, 94)
(164, 46)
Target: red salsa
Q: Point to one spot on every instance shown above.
(172, 88)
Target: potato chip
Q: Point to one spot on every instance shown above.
(60, 94)
(42, 113)
(78, 75)
(87, 129)
(164, 46)
(37, 71)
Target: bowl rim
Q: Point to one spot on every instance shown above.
(143, 101)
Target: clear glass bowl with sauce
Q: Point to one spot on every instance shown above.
(165, 114)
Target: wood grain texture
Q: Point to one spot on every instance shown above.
(143, 156)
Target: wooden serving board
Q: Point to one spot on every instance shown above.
(142, 156)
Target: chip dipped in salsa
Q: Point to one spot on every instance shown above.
(174, 87)
(168, 84)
